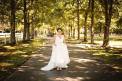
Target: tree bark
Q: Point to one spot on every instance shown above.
(74, 33)
(32, 29)
(69, 32)
(73, 29)
(13, 17)
(32, 23)
(25, 21)
(108, 14)
(28, 27)
(85, 22)
(92, 22)
(78, 19)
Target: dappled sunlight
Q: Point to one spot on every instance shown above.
(66, 79)
(102, 53)
(41, 60)
(83, 66)
(80, 67)
(76, 50)
(86, 47)
(5, 53)
(10, 47)
(99, 42)
(38, 55)
(24, 56)
(82, 60)
(33, 52)
(24, 66)
(5, 64)
(117, 44)
(21, 70)
(116, 67)
(45, 57)
(18, 52)
(33, 34)
(36, 44)
(25, 45)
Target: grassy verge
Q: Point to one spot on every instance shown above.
(111, 56)
(13, 56)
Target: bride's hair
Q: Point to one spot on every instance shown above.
(61, 30)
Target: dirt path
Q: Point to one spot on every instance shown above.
(83, 67)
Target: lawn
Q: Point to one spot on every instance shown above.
(13, 56)
(111, 56)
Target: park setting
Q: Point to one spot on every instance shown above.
(91, 31)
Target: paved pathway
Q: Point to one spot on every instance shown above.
(83, 67)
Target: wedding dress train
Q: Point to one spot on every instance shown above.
(59, 56)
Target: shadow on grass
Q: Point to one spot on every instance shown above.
(83, 67)
(86, 65)
(13, 56)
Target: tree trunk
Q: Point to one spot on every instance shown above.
(74, 33)
(32, 25)
(92, 22)
(78, 19)
(73, 29)
(69, 32)
(28, 27)
(85, 28)
(13, 17)
(32, 29)
(25, 21)
(85, 22)
(108, 15)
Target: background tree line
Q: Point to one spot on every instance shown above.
(87, 17)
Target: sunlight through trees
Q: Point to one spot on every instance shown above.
(80, 19)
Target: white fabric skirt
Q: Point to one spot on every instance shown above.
(59, 57)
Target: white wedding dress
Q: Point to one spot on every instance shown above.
(59, 56)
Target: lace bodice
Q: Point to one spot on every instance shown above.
(59, 39)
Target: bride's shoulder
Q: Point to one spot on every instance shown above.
(62, 35)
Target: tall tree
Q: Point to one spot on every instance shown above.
(28, 27)
(25, 20)
(13, 17)
(78, 18)
(108, 7)
(92, 21)
(32, 28)
(85, 22)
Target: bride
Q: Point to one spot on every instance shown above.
(60, 56)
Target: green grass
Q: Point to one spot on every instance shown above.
(13, 56)
(111, 56)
